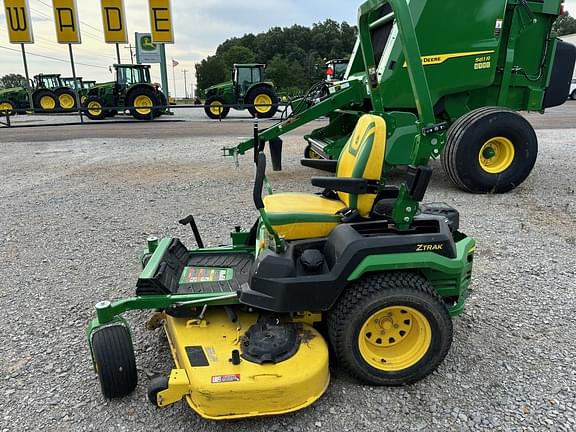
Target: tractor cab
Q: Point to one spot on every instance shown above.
(69, 82)
(48, 81)
(246, 75)
(128, 75)
(88, 84)
(336, 69)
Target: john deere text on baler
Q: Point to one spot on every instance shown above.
(484, 61)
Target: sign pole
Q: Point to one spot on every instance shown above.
(75, 82)
(163, 68)
(118, 53)
(27, 77)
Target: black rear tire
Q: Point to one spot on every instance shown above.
(418, 319)
(267, 93)
(66, 99)
(115, 362)
(211, 108)
(163, 103)
(478, 131)
(45, 101)
(150, 98)
(573, 95)
(95, 108)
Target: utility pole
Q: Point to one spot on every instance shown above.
(131, 48)
(185, 71)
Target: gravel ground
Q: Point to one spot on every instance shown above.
(73, 222)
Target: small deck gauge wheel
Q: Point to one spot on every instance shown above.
(390, 329)
(114, 360)
(157, 385)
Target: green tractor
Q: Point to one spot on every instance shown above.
(362, 268)
(82, 86)
(132, 90)
(496, 57)
(49, 94)
(65, 95)
(248, 87)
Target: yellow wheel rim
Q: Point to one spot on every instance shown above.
(66, 101)
(143, 101)
(215, 108)
(496, 155)
(47, 103)
(6, 106)
(263, 99)
(94, 108)
(395, 338)
(83, 99)
(313, 155)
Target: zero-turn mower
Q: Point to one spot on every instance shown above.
(361, 267)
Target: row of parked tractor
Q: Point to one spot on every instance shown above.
(132, 90)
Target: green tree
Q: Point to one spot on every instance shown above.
(238, 54)
(210, 71)
(12, 80)
(286, 75)
(564, 25)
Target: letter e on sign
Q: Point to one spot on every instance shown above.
(114, 21)
(18, 21)
(161, 21)
(66, 20)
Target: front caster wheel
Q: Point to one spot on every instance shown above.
(390, 329)
(114, 360)
(157, 385)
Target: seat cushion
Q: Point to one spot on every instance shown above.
(297, 216)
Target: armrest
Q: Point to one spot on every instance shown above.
(321, 164)
(346, 185)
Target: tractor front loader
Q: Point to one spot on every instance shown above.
(483, 62)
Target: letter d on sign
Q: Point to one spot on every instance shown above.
(114, 21)
(161, 21)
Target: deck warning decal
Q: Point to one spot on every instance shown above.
(193, 275)
(218, 379)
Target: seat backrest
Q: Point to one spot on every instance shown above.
(363, 157)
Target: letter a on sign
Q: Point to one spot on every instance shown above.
(66, 20)
(114, 20)
(18, 21)
(161, 21)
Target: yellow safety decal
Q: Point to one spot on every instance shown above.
(441, 58)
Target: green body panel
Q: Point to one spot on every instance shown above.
(236, 94)
(18, 96)
(474, 56)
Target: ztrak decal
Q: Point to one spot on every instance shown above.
(429, 248)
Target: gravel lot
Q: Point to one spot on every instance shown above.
(75, 216)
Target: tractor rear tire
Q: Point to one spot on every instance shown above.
(163, 103)
(573, 95)
(95, 108)
(7, 108)
(115, 362)
(143, 99)
(45, 101)
(263, 96)
(213, 108)
(490, 150)
(66, 99)
(390, 329)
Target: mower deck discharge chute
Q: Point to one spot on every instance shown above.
(382, 273)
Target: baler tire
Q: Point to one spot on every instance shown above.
(211, 111)
(490, 128)
(415, 341)
(114, 360)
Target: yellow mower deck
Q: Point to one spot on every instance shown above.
(217, 389)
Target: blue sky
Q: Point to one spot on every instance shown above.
(200, 26)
